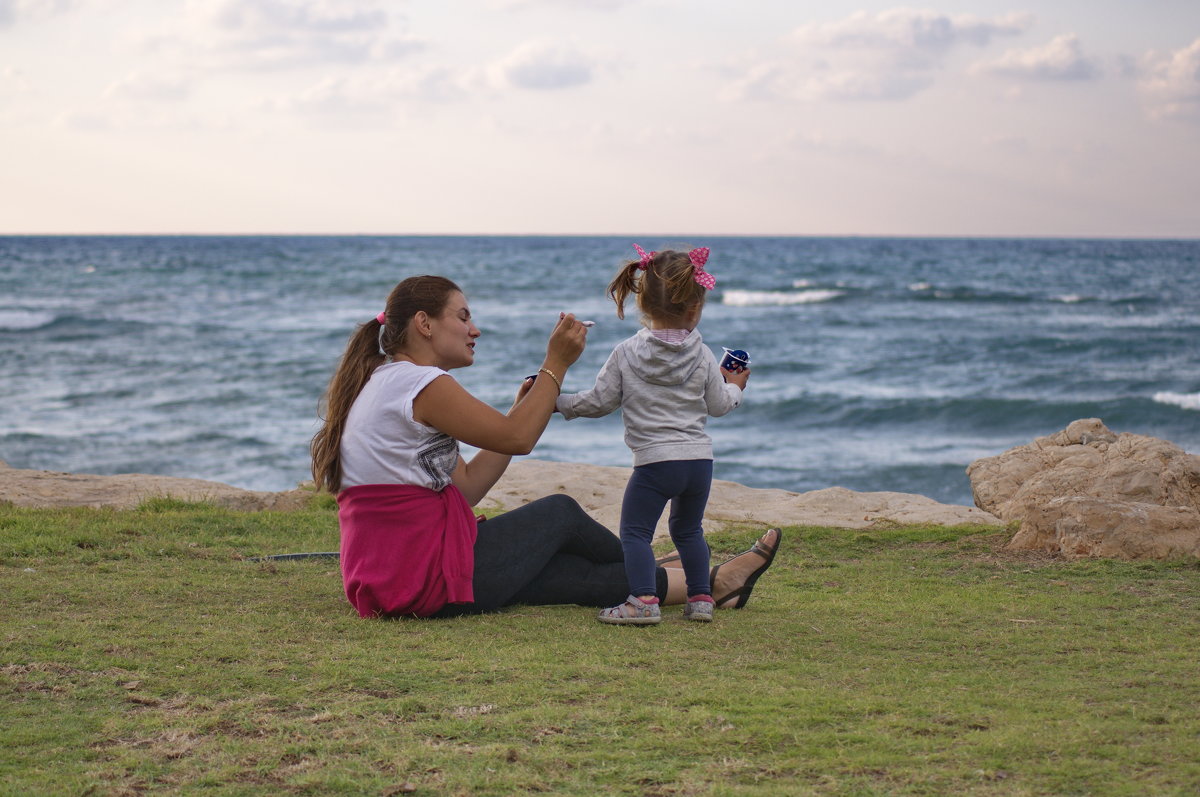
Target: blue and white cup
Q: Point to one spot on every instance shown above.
(735, 360)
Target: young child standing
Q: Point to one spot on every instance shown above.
(666, 383)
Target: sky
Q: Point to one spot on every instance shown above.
(755, 117)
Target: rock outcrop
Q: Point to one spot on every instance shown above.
(43, 488)
(597, 488)
(1081, 526)
(1086, 491)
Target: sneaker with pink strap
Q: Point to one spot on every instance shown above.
(699, 608)
(633, 611)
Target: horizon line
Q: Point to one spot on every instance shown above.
(944, 236)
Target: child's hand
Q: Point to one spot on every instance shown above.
(526, 383)
(739, 378)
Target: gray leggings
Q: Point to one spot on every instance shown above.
(547, 552)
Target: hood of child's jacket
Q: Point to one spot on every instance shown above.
(662, 363)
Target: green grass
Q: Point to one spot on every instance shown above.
(140, 652)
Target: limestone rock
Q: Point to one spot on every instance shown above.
(1081, 526)
(599, 489)
(42, 488)
(1086, 459)
(1150, 487)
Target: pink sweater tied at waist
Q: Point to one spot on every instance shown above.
(406, 550)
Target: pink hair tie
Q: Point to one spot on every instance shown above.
(699, 257)
(382, 319)
(644, 262)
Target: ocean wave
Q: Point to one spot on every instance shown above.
(1115, 301)
(1026, 416)
(25, 320)
(927, 291)
(1188, 401)
(764, 298)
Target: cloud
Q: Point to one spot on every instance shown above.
(168, 120)
(1061, 59)
(817, 141)
(12, 11)
(886, 56)
(141, 86)
(904, 29)
(1170, 82)
(823, 81)
(760, 81)
(543, 66)
(1009, 144)
(83, 121)
(378, 94)
(861, 83)
(364, 94)
(255, 16)
(281, 34)
(867, 85)
(12, 81)
(588, 5)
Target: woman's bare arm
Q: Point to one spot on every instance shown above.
(446, 406)
(476, 477)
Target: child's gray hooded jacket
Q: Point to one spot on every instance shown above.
(665, 391)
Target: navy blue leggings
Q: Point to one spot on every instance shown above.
(547, 552)
(685, 483)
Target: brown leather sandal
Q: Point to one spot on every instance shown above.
(742, 593)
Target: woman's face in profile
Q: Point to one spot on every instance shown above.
(454, 333)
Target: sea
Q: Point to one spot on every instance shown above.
(877, 363)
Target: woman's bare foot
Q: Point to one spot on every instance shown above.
(733, 579)
(671, 560)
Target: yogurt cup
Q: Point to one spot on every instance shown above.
(735, 360)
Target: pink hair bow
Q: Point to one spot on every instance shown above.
(644, 263)
(699, 257)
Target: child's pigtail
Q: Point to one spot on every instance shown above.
(624, 285)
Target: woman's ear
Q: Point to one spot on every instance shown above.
(421, 323)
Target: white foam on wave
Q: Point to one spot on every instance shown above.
(1070, 298)
(920, 286)
(760, 298)
(1189, 401)
(21, 320)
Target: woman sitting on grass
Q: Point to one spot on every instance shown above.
(410, 544)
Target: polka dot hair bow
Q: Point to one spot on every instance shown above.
(699, 257)
(644, 263)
